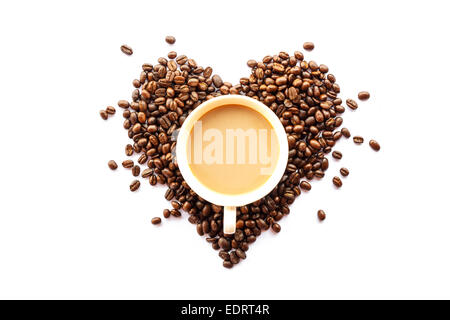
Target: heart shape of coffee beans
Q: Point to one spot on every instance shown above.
(302, 94)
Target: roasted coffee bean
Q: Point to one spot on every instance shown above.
(240, 253)
(337, 182)
(363, 95)
(308, 46)
(126, 49)
(228, 264)
(346, 132)
(358, 139)
(234, 257)
(305, 185)
(110, 110)
(321, 215)
(217, 80)
(129, 150)
(112, 164)
(128, 164)
(170, 39)
(276, 227)
(147, 173)
(337, 155)
(123, 104)
(176, 213)
(224, 255)
(135, 171)
(344, 172)
(224, 243)
(374, 145)
(351, 104)
(135, 185)
(103, 114)
(156, 220)
(166, 213)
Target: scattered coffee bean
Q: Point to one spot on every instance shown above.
(374, 145)
(363, 95)
(166, 213)
(135, 185)
(308, 46)
(135, 171)
(276, 227)
(337, 155)
(126, 49)
(103, 114)
(228, 264)
(129, 150)
(351, 104)
(337, 182)
(358, 139)
(346, 132)
(321, 215)
(112, 164)
(110, 110)
(156, 220)
(344, 172)
(305, 185)
(170, 39)
(123, 104)
(128, 164)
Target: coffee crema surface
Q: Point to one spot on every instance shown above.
(232, 149)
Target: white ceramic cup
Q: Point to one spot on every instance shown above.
(230, 202)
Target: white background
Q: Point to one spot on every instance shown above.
(70, 227)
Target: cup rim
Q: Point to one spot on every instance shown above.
(217, 197)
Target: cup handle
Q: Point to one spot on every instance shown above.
(229, 220)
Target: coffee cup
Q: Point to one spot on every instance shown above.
(232, 150)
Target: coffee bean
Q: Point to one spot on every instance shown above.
(166, 213)
(156, 220)
(170, 39)
(276, 227)
(337, 182)
(321, 215)
(337, 155)
(358, 139)
(346, 132)
(351, 104)
(176, 213)
(224, 244)
(344, 172)
(363, 95)
(128, 164)
(123, 104)
(240, 253)
(110, 110)
(135, 185)
(136, 170)
(217, 80)
(305, 185)
(129, 150)
(374, 145)
(126, 49)
(103, 114)
(224, 255)
(309, 46)
(112, 164)
(147, 173)
(234, 257)
(228, 264)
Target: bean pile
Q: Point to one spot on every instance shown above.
(301, 93)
